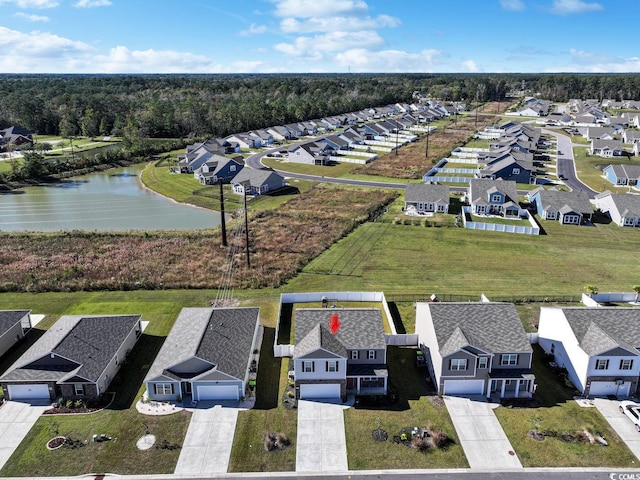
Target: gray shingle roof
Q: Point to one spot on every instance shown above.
(320, 337)
(556, 200)
(601, 329)
(626, 204)
(492, 327)
(8, 318)
(90, 342)
(481, 188)
(426, 193)
(221, 336)
(359, 327)
(627, 171)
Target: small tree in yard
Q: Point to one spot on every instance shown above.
(591, 289)
(636, 288)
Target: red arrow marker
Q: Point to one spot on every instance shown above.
(334, 324)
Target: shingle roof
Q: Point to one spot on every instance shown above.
(626, 204)
(88, 341)
(557, 200)
(359, 327)
(424, 192)
(221, 336)
(601, 329)
(480, 189)
(320, 337)
(626, 171)
(8, 318)
(492, 327)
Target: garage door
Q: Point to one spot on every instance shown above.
(463, 387)
(217, 392)
(28, 392)
(609, 388)
(325, 390)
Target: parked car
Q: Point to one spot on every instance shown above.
(632, 411)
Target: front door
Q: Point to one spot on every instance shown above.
(186, 388)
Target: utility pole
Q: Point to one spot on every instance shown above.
(426, 153)
(223, 222)
(246, 224)
(396, 141)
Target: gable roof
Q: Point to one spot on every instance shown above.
(220, 336)
(359, 327)
(601, 329)
(8, 318)
(557, 200)
(481, 188)
(426, 193)
(492, 327)
(90, 342)
(627, 205)
(255, 177)
(320, 337)
(625, 171)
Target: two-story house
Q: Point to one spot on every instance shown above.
(339, 352)
(597, 346)
(475, 349)
(493, 197)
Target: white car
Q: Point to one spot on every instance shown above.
(632, 411)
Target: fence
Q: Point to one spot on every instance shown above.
(474, 297)
(594, 300)
(500, 227)
(432, 179)
(465, 160)
(455, 170)
(341, 159)
(401, 339)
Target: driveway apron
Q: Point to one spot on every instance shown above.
(207, 445)
(483, 440)
(16, 419)
(620, 423)
(321, 443)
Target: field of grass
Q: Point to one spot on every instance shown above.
(558, 412)
(589, 168)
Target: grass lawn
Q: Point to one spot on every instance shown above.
(497, 220)
(589, 173)
(558, 412)
(337, 170)
(414, 408)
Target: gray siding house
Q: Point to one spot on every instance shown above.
(76, 358)
(623, 209)
(569, 208)
(350, 361)
(206, 356)
(475, 349)
(425, 197)
(13, 326)
(257, 182)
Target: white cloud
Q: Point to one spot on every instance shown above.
(92, 3)
(39, 44)
(589, 62)
(254, 30)
(339, 23)
(330, 42)
(512, 4)
(363, 60)
(32, 3)
(470, 66)
(318, 8)
(31, 18)
(123, 60)
(565, 7)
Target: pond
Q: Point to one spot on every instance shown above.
(114, 200)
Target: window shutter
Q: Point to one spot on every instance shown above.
(337, 365)
(326, 366)
(313, 366)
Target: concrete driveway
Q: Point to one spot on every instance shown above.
(207, 445)
(16, 419)
(321, 443)
(481, 435)
(620, 423)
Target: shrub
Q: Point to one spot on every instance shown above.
(440, 439)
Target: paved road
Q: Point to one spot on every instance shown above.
(207, 445)
(321, 445)
(483, 440)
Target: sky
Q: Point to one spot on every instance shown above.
(318, 36)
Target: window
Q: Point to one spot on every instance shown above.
(116, 359)
(307, 367)
(602, 364)
(553, 348)
(516, 171)
(164, 388)
(355, 354)
(232, 168)
(483, 362)
(496, 198)
(626, 364)
(79, 388)
(458, 364)
(510, 359)
(332, 366)
(371, 355)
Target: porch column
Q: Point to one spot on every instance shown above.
(489, 388)
(358, 385)
(517, 388)
(504, 384)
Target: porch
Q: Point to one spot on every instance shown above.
(367, 380)
(511, 384)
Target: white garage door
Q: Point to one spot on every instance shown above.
(463, 387)
(217, 392)
(27, 392)
(324, 390)
(609, 388)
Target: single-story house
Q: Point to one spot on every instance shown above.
(339, 352)
(606, 148)
(15, 136)
(598, 347)
(76, 358)
(208, 355)
(257, 182)
(220, 168)
(569, 208)
(14, 324)
(622, 174)
(475, 349)
(426, 197)
(623, 209)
